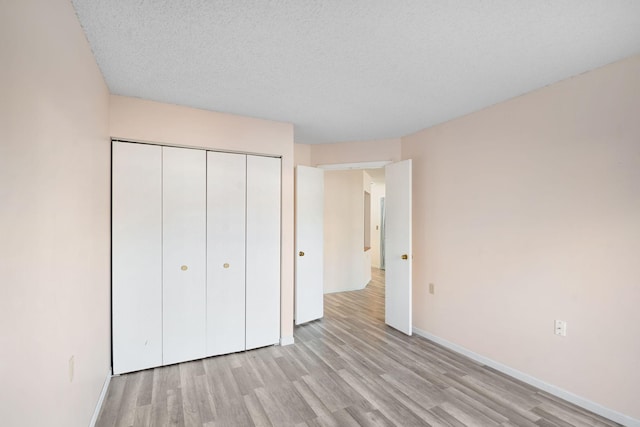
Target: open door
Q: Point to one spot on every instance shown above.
(398, 256)
(309, 304)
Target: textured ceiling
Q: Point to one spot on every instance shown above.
(344, 70)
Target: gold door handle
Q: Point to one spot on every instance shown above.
(225, 265)
(404, 256)
(184, 268)
(301, 253)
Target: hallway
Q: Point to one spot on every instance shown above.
(348, 369)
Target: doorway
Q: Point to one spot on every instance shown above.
(352, 227)
(348, 248)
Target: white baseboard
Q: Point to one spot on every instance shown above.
(103, 394)
(549, 388)
(286, 340)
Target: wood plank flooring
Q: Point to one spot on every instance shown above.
(348, 369)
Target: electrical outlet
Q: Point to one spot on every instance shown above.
(71, 368)
(561, 328)
(432, 288)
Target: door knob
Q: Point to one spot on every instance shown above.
(225, 265)
(405, 256)
(184, 268)
(301, 253)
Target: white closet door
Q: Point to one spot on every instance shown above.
(184, 254)
(263, 252)
(137, 256)
(226, 184)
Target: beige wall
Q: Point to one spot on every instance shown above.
(366, 227)
(344, 231)
(377, 191)
(354, 152)
(54, 218)
(529, 211)
(302, 154)
(141, 120)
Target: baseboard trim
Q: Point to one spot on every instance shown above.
(103, 394)
(286, 340)
(549, 388)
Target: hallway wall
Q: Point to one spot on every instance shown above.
(344, 256)
(377, 191)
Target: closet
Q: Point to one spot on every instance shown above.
(195, 254)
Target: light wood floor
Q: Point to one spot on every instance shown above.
(347, 369)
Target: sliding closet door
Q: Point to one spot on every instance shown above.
(263, 251)
(184, 254)
(137, 256)
(226, 183)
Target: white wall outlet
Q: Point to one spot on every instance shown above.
(432, 288)
(71, 368)
(561, 328)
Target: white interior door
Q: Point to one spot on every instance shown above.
(226, 185)
(398, 258)
(309, 293)
(137, 256)
(263, 252)
(184, 254)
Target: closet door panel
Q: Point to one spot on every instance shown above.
(226, 184)
(137, 256)
(263, 252)
(184, 254)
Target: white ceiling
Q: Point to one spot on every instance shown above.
(345, 70)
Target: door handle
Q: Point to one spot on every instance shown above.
(404, 256)
(301, 253)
